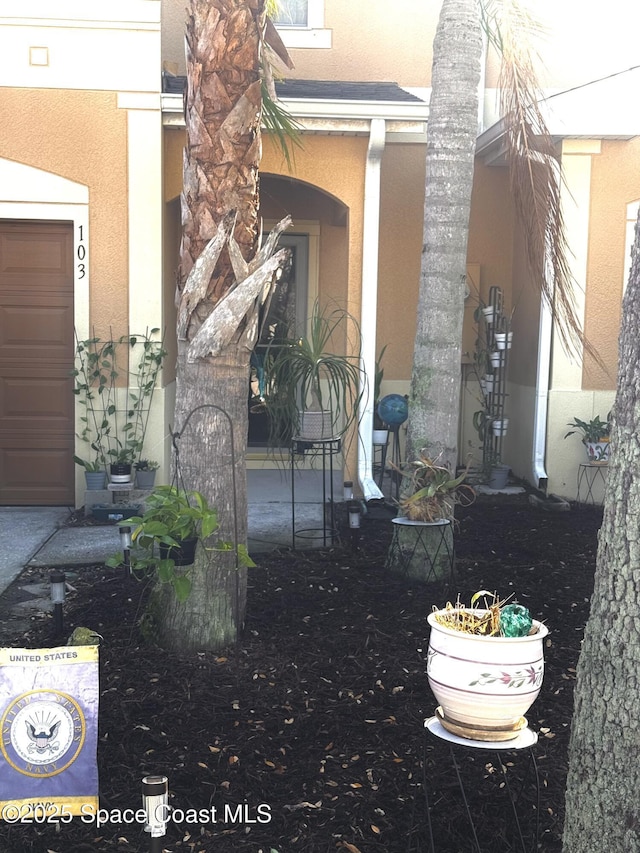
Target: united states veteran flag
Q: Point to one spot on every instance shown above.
(49, 731)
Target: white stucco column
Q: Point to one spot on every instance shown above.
(566, 397)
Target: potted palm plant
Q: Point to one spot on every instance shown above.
(313, 392)
(485, 667)
(595, 437)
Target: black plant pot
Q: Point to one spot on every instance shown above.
(120, 472)
(183, 554)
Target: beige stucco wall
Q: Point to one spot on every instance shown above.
(392, 47)
(96, 157)
(390, 44)
(615, 181)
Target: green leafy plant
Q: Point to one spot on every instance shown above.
(304, 373)
(114, 381)
(378, 423)
(430, 492)
(172, 517)
(594, 430)
(92, 467)
(146, 465)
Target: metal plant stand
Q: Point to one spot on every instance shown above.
(515, 795)
(423, 545)
(325, 449)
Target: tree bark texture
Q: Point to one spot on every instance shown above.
(602, 803)
(214, 612)
(220, 188)
(451, 137)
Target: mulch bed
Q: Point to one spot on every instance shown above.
(309, 735)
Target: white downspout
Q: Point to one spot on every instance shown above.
(538, 470)
(369, 304)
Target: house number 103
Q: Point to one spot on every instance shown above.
(81, 252)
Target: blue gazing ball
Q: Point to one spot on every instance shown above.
(393, 409)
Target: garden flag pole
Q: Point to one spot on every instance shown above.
(49, 732)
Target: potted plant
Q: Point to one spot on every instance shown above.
(380, 428)
(430, 492)
(312, 392)
(168, 533)
(94, 473)
(146, 473)
(595, 437)
(485, 667)
(121, 467)
(422, 543)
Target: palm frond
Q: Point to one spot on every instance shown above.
(535, 171)
(281, 125)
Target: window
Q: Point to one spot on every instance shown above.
(301, 23)
(292, 13)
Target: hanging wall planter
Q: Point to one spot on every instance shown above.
(504, 340)
(500, 427)
(182, 554)
(487, 383)
(484, 684)
(489, 314)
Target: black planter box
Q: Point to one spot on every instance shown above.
(114, 512)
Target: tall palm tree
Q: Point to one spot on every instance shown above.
(451, 138)
(535, 187)
(223, 281)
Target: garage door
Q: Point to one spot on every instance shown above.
(36, 357)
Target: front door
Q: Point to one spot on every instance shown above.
(36, 358)
(287, 312)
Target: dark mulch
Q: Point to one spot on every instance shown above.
(314, 722)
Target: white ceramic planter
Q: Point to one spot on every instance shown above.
(500, 427)
(487, 383)
(489, 314)
(597, 452)
(380, 436)
(504, 340)
(496, 358)
(484, 685)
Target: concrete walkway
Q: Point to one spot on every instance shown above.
(34, 536)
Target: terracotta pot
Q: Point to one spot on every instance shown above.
(484, 685)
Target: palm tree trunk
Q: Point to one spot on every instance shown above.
(223, 108)
(451, 137)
